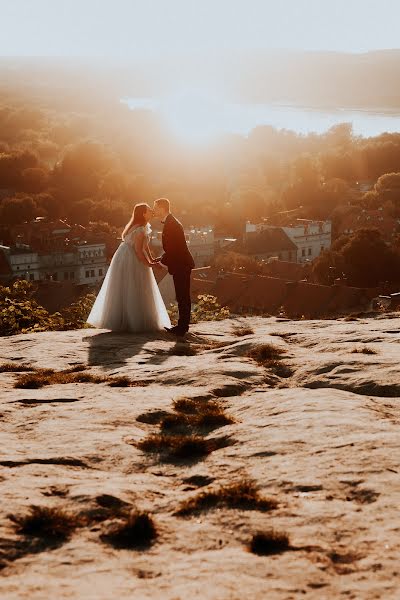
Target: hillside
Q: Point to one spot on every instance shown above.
(320, 79)
(316, 413)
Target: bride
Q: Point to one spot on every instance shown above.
(129, 299)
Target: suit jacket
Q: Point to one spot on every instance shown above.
(176, 255)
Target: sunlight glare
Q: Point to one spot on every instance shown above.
(194, 116)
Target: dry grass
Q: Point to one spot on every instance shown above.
(76, 369)
(364, 350)
(181, 447)
(137, 531)
(270, 357)
(182, 350)
(242, 495)
(45, 522)
(178, 446)
(194, 415)
(152, 417)
(38, 378)
(186, 405)
(205, 418)
(278, 368)
(269, 542)
(263, 354)
(43, 377)
(242, 330)
(15, 368)
(120, 381)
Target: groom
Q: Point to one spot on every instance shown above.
(178, 261)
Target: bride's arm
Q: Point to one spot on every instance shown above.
(139, 247)
(146, 248)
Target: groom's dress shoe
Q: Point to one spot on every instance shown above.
(172, 329)
(178, 332)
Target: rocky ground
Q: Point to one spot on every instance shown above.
(315, 407)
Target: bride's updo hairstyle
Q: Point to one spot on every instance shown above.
(137, 218)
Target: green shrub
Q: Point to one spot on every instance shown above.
(21, 313)
(75, 316)
(205, 309)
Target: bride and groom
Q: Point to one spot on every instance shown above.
(129, 299)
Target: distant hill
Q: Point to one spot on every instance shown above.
(323, 79)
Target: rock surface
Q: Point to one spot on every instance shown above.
(320, 436)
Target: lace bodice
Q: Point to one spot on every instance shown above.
(130, 236)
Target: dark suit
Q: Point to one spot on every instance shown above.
(180, 264)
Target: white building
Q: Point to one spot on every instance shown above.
(310, 238)
(92, 263)
(81, 264)
(255, 228)
(24, 262)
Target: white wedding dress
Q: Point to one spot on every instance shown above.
(129, 299)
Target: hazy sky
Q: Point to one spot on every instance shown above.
(153, 28)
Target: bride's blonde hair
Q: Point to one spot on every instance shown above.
(137, 218)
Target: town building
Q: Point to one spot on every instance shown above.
(200, 240)
(267, 243)
(310, 238)
(54, 251)
(299, 242)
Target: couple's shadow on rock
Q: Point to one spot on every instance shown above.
(112, 350)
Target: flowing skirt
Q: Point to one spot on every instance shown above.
(129, 299)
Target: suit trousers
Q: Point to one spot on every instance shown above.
(182, 292)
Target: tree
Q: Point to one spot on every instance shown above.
(81, 211)
(388, 187)
(17, 210)
(34, 179)
(364, 259)
(49, 205)
(12, 165)
(340, 135)
(81, 171)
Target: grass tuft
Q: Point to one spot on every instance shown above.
(76, 369)
(195, 414)
(178, 446)
(137, 531)
(15, 368)
(269, 542)
(264, 353)
(270, 357)
(182, 446)
(45, 522)
(41, 377)
(278, 368)
(364, 350)
(185, 405)
(152, 417)
(242, 495)
(182, 350)
(242, 330)
(120, 381)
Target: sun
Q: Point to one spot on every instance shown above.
(194, 116)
